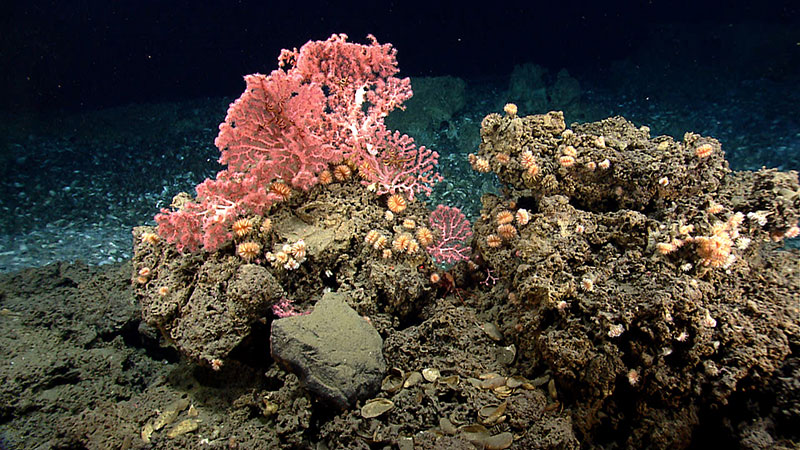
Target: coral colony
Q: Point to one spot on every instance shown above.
(318, 117)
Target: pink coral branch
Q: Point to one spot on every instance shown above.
(276, 125)
(454, 231)
(401, 166)
(327, 102)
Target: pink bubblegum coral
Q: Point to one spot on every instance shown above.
(401, 166)
(454, 231)
(362, 91)
(277, 130)
(328, 103)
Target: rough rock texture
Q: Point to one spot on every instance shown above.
(207, 304)
(646, 276)
(203, 307)
(639, 172)
(335, 352)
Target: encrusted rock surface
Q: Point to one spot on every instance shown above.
(641, 271)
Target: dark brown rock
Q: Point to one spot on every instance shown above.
(335, 352)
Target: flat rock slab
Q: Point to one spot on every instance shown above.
(335, 352)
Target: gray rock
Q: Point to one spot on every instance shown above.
(335, 352)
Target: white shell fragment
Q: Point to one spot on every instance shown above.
(376, 407)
